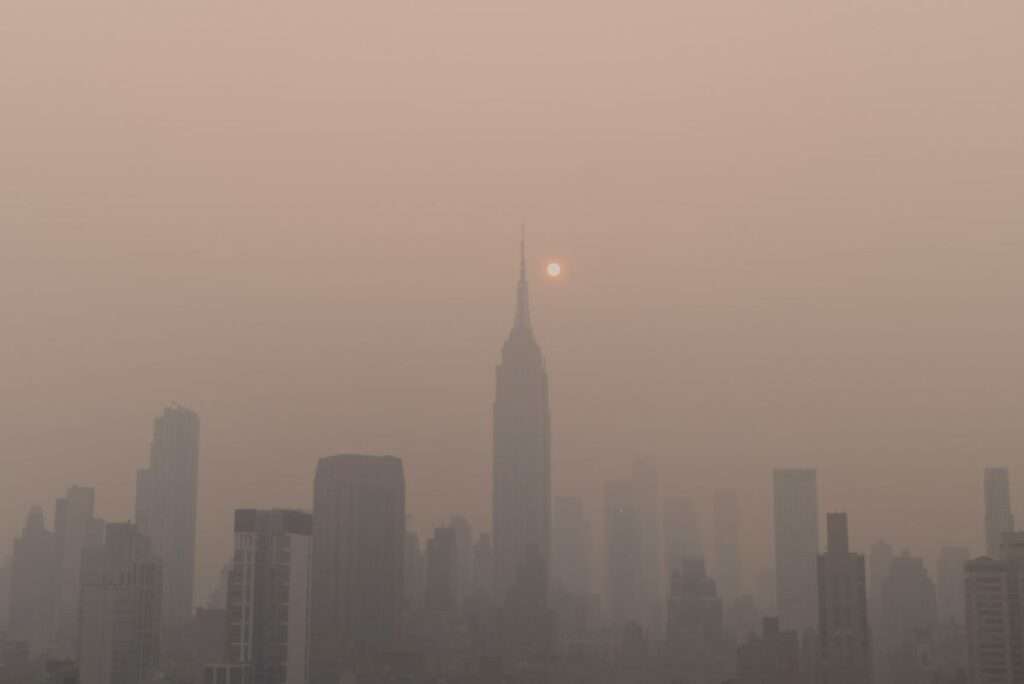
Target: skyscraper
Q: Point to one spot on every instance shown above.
(991, 614)
(358, 558)
(952, 560)
(268, 595)
(681, 531)
(772, 658)
(909, 613)
(647, 507)
(796, 546)
(442, 590)
(998, 511)
(696, 631)
(726, 520)
(845, 639)
(76, 528)
(623, 544)
(571, 546)
(33, 576)
(120, 609)
(522, 451)
(165, 507)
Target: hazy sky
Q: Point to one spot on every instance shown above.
(793, 234)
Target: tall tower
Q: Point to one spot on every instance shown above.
(165, 507)
(357, 581)
(845, 639)
(522, 453)
(796, 546)
(998, 513)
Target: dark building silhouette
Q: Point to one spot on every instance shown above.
(843, 633)
(681, 532)
(267, 611)
(950, 590)
(771, 658)
(695, 635)
(33, 581)
(76, 528)
(998, 510)
(624, 547)
(121, 602)
(464, 557)
(572, 546)
(522, 452)
(165, 507)
(647, 506)
(415, 571)
(993, 648)
(358, 558)
(907, 622)
(442, 590)
(796, 546)
(726, 520)
(483, 562)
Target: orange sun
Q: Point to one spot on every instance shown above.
(554, 269)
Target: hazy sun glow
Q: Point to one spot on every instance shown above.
(554, 269)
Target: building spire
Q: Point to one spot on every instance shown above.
(523, 294)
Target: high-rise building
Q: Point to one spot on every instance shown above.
(165, 507)
(268, 609)
(990, 618)
(796, 546)
(33, 580)
(483, 561)
(845, 639)
(879, 563)
(76, 528)
(442, 591)
(414, 575)
(464, 557)
(5, 596)
(950, 591)
(571, 546)
(358, 558)
(623, 543)
(998, 511)
(909, 613)
(726, 518)
(772, 658)
(681, 530)
(695, 635)
(121, 601)
(522, 452)
(648, 510)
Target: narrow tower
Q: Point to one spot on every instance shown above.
(522, 453)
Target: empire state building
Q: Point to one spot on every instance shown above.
(522, 456)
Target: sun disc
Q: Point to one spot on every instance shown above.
(554, 269)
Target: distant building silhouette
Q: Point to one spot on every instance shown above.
(268, 610)
(624, 547)
(483, 562)
(647, 506)
(414, 575)
(33, 578)
(572, 546)
(998, 510)
(165, 507)
(726, 519)
(906, 625)
(681, 532)
(76, 528)
(522, 450)
(442, 591)
(843, 633)
(772, 658)
(695, 635)
(796, 546)
(464, 557)
(950, 590)
(121, 602)
(358, 558)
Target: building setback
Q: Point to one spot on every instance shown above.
(845, 639)
(165, 507)
(796, 546)
(358, 557)
(119, 618)
(268, 595)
